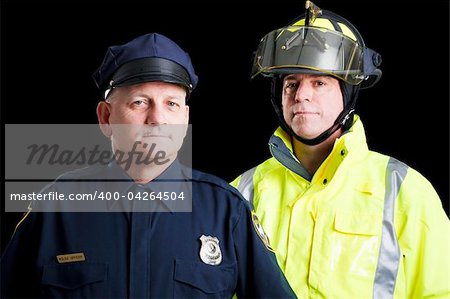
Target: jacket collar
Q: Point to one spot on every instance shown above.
(352, 142)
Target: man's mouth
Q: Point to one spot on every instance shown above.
(304, 113)
(156, 135)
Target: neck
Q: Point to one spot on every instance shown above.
(145, 171)
(312, 156)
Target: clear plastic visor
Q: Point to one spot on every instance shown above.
(300, 49)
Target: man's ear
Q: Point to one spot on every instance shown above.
(103, 113)
(186, 116)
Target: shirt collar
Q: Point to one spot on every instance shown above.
(176, 178)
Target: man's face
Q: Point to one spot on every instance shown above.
(311, 103)
(148, 117)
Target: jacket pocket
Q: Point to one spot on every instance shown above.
(196, 280)
(368, 224)
(353, 245)
(75, 280)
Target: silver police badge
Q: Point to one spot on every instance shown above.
(210, 251)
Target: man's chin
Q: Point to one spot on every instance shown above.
(305, 132)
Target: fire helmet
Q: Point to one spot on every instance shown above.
(318, 42)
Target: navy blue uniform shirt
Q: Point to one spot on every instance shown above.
(142, 255)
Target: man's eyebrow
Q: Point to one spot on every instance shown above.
(289, 77)
(175, 97)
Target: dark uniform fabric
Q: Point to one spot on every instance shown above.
(141, 255)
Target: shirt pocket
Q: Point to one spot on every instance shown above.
(199, 280)
(75, 280)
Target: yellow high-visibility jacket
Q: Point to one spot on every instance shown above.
(365, 225)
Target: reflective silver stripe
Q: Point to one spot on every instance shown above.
(246, 185)
(389, 256)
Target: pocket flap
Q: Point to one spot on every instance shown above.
(72, 276)
(360, 223)
(209, 279)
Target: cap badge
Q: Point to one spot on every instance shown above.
(210, 251)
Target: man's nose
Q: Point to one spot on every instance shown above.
(304, 92)
(156, 115)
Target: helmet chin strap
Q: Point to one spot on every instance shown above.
(344, 119)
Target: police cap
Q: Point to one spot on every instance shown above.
(150, 57)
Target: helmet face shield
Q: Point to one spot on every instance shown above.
(303, 49)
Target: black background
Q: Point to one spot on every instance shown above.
(49, 51)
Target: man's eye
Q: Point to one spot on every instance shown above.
(320, 83)
(173, 104)
(138, 103)
(291, 85)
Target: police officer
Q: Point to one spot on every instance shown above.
(216, 250)
(345, 222)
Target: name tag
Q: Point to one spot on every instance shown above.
(70, 258)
